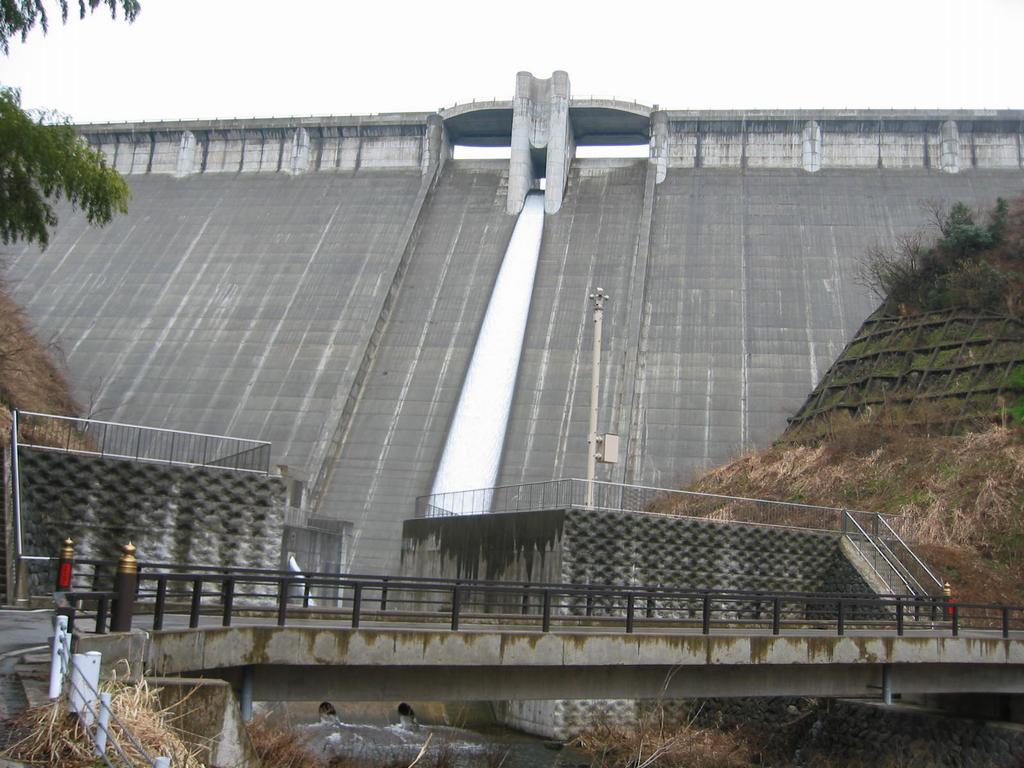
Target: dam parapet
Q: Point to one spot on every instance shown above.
(544, 125)
(275, 145)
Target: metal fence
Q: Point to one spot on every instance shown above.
(151, 444)
(572, 493)
(208, 596)
(76, 678)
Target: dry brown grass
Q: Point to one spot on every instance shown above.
(657, 743)
(961, 496)
(30, 377)
(50, 735)
(279, 745)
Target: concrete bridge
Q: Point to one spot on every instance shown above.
(393, 663)
(283, 636)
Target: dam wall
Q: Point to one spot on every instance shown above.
(394, 442)
(319, 283)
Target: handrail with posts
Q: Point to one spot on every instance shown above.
(229, 595)
(76, 678)
(930, 577)
(906, 575)
(621, 497)
(115, 440)
(872, 562)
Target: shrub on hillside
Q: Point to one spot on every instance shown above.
(974, 261)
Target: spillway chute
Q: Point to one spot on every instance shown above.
(476, 436)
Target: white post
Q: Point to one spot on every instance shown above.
(60, 630)
(85, 682)
(595, 373)
(103, 725)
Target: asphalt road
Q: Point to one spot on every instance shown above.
(24, 629)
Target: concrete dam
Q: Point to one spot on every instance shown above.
(321, 282)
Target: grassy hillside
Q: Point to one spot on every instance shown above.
(963, 495)
(922, 416)
(30, 378)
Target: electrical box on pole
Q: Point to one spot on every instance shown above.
(607, 449)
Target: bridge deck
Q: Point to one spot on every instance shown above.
(388, 661)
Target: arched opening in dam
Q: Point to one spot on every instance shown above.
(470, 152)
(612, 151)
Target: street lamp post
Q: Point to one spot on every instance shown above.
(599, 298)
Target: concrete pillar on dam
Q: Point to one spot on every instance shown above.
(543, 143)
(659, 144)
(300, 151)
(186, 155)
(950, 137)
(438, 146)
(811, 145)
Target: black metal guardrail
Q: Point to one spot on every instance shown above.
(195, 592)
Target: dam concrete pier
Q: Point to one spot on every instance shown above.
(320, 282)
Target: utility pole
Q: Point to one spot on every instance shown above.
(593, 447)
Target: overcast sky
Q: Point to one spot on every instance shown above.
(185, 59)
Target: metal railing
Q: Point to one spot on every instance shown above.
(75, 676)
(620, 497)
(108, 439)
(925, 578)
(882, 563)
(227, 596)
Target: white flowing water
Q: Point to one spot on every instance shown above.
(392, 746)
(477, 433)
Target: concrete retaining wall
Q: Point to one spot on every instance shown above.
(574, 546)
(205, 713)
(171, 513)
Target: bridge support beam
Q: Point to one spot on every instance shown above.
(468, 683)
(887, 683)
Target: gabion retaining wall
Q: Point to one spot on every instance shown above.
(576, 546)
(172, 513)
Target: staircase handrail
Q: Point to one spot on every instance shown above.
(938, 582)
(914, 584)
(881, 554)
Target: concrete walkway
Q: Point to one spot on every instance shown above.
(20, 632)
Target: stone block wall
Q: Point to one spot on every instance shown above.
(872, 734)
(172, 513)
(576, 546)
(606, 547)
